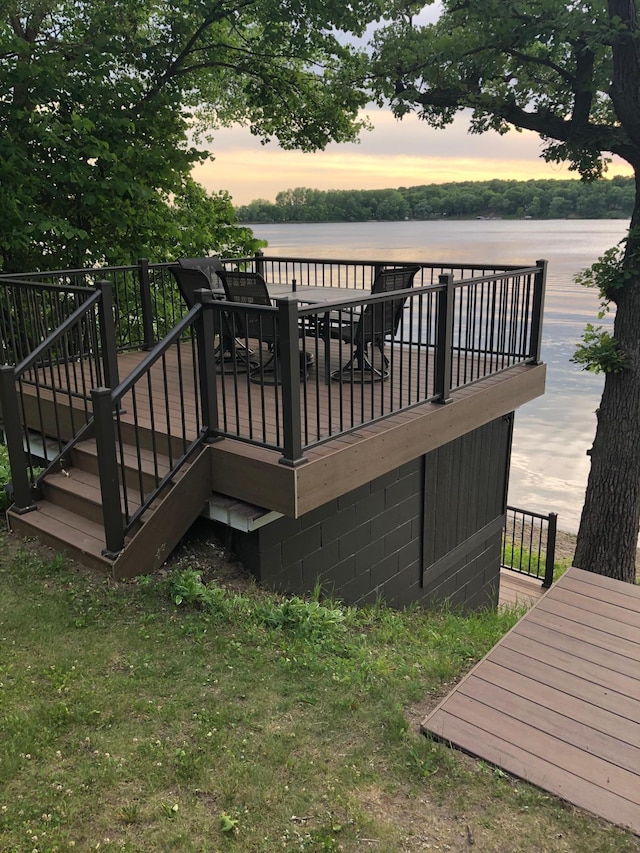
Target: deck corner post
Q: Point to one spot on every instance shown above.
(10, 409)
(144, 281)
(289, 355)
(444, 343)
(539, 285)
(258, 260)
(551, 550)
(108, 334)
(105, 437)
(205, 335)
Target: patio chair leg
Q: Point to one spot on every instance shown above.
(363, 364)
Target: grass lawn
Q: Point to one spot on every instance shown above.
(170, 714)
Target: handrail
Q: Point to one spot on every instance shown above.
(118, 496)
(36, 285)
(12, 403)
(374, 262)
(494, 276)
(55, 336)
(118, 393)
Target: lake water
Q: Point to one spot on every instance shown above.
(549, 465)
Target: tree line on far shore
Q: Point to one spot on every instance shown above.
(537, 199)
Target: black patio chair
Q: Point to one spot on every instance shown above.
(372, 326)
(193, 274)
(250, 288)
(210, 266)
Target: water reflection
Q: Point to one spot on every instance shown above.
(549, 465)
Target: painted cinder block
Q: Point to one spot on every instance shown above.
(382, 541)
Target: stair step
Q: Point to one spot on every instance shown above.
(63, 530)
(84, 456)
(79, 492)
(69, 516)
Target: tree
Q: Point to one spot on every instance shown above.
(102, 101)
(570, 72)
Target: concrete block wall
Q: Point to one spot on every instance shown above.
(367, 545)
(356, 546)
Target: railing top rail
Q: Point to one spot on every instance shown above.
(321, 307)
(48, 342)
(92, 271)
(542, 516)
(37, 285)
(465, 282)
(379, 262)
(155, 353)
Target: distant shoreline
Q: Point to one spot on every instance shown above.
(435, 219)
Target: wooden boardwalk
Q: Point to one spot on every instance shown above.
(557, 701)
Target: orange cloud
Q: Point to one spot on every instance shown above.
(394, 154)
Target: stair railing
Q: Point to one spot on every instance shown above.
(138, 426)
(44, 398)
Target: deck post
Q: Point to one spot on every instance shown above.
(539, 284)
(145, 304)
(445, 339)
(259, 262)
(290, 367)
(108, 471)
(551, 550)
(108, 334)
(205, 334)
(10, 409)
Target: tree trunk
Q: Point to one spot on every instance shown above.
(608, 534)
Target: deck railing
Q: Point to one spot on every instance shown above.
(450, 335)
(461, 323)
(60, 371)
(137, 422)
(147, 302)
(529, 544)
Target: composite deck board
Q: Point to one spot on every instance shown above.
(592, 620)
(349, 453)
(557, 701)
(519, 590)
(249, 410)
(588, 633)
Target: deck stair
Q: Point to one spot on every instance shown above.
(68, 514)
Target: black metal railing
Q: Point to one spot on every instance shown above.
(449, 335)
(529, 544)
(148, 426)
(286, 378)
(44, 399)
(30, 311)
(146, 302)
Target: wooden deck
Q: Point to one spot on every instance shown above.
(518, 590)
(254, 474)
(557, 701)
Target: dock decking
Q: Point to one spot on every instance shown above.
(557, 701)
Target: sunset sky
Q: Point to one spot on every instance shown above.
(394, 154)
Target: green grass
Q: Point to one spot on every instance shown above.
(240, 721)
(529, 563)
